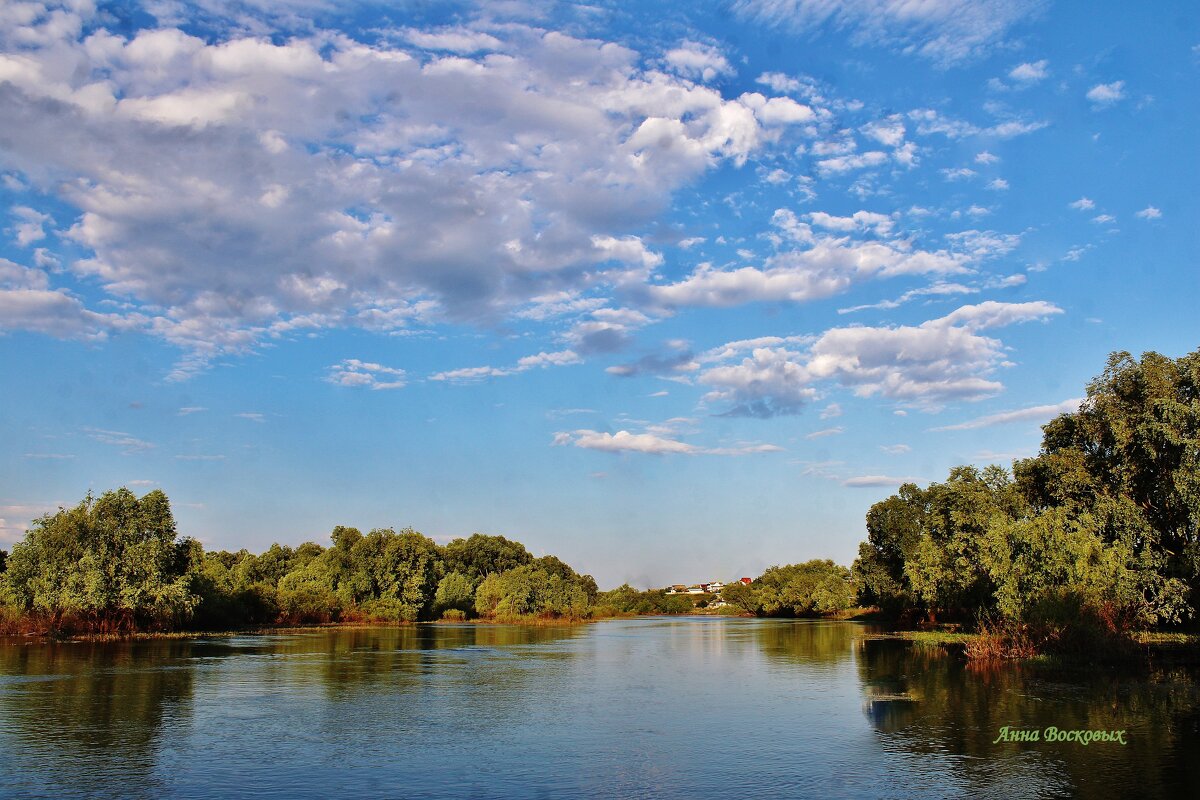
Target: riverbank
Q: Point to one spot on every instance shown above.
(1142, 646)
(263, 630)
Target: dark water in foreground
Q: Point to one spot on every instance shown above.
(679, 708)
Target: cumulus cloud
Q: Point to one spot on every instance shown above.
(1149, 212)
(216, 183)
(828, 264)
(27, 302)
(926, 365)
(1030, 71)
(352, 372)
(1104, 95)
(698, 61)
(1030, 414)
(945, 32)
(29, 227)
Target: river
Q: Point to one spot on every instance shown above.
(687, 707)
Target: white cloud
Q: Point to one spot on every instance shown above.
(1149, 212)
(846, 163)
(1083, 204)
(352, 372)
(776, 110)
(895, 449)
(958, 174)
(454, 40)
(984, 157)
(998, 185)
(926, 365)
(215, 183)
(821, 434)
(625, 442)
(27, 302)
(1030, 414)
(829, 266)
(930, 122)
(873, 481)
(831, 411)
(940, 288)
(252, 416)
(1103, 219)
(880, 224)
(943, 31)
(1030, 72)
(889, 131)
(699, 61)
(524, 364)
(1104, 95)
(29, 228)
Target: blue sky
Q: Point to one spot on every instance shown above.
(673, 293)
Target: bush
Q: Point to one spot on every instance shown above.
(454, 615)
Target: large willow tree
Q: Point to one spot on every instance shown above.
(109, 563)
(1103, 523)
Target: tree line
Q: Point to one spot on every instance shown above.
(1098, 534)
(116, 563)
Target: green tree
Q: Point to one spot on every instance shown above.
(800, 589)
(454, 591)
(482, 555)
(110, 563)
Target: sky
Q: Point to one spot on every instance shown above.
(674, 291)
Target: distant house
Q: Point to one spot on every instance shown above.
(745, 581)
(715, 587)
(695, 590)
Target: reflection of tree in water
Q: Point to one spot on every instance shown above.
(88, 714)
(805, 642)
(927, 703)
(352, 660)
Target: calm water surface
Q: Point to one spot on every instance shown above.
(678, 708)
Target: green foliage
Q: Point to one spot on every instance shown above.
(115, 564)
(1101, 530)
(814, 587)
(109, 563)
(454, 592)
(742, 597)
(530, 590)
(480, 556)
(627, 600)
